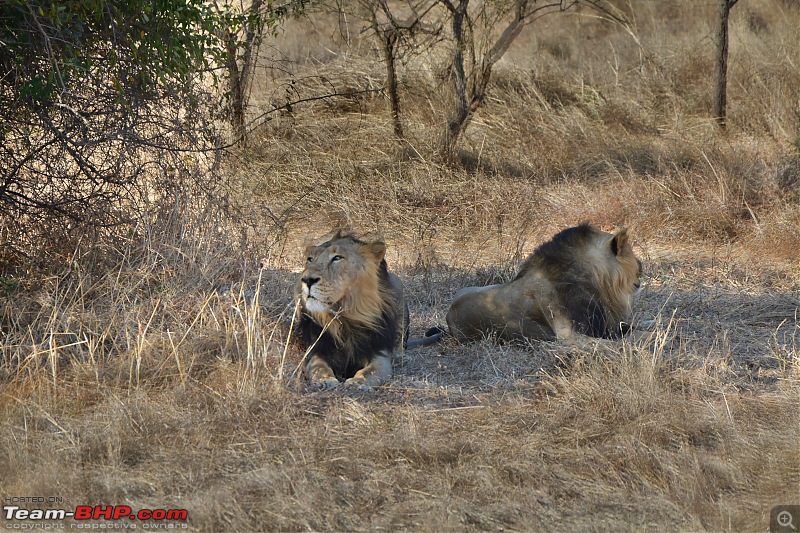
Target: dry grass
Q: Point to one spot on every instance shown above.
(158, 374)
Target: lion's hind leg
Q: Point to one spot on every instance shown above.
(376, 373)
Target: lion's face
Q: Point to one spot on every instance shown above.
(338, 273)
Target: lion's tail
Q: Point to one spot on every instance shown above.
(432, 336)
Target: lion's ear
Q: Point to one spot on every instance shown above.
(309, 251)
(619, 241)
(376, 249)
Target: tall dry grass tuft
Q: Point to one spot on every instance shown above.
(170, 305)
(639, 422)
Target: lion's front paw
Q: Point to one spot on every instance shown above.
(325, 384)
(359, 383)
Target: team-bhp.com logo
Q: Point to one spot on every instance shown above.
(97, 512)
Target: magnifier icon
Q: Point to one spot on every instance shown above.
(785, 519)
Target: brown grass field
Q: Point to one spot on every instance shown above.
(153, 370)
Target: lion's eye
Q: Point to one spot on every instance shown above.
(336, 258)
(310, 259)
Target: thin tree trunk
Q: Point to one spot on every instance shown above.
(240, 79)
(389, 43)
(721, 66)
(236, 91)
(455, 123)
(468, 100)
(254, 35)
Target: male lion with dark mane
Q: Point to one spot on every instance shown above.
(582, 281)
(352, 312)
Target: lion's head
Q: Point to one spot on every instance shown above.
(620, 276)
(342, 279)
(584, 264)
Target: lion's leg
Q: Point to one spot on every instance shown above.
(320, 373)
(586, 343)
(377, 372)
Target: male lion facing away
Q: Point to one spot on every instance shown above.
(353, 315)
(581, 281)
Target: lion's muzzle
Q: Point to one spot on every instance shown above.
(307, 283)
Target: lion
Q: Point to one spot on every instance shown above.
(353, 314)
(581, 282)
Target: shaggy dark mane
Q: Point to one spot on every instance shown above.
(556, 257)
(563, 261)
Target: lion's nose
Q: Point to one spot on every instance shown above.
(308, 281)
